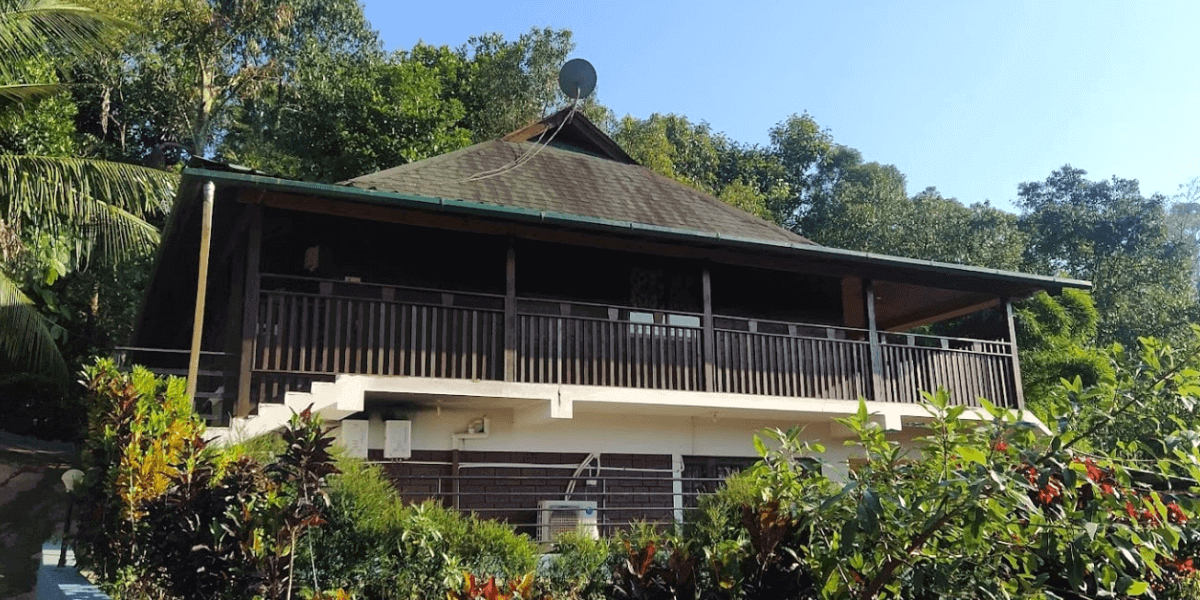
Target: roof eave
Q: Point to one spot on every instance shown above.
(370, 196)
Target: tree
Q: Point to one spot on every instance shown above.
(693, 154)
(1056, 337)
(673, 147)
(507, 84)
(1183, 221)
(181, 80)
(79, 208)
(928, 225)
(1107, 232)
(335, 117)
(343, 117)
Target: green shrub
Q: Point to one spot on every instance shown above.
(138, 429)
(376, 547)
(579, 569)
(169, 518)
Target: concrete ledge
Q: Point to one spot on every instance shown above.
(66, 583)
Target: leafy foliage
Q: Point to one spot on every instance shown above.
(983, 512)
(45, 28)
(168, 519)
(341, 118)
(1056, 337)
(375, 546)
(578, 569)
(48, 198)
(478, 589)
(1107, 232)
(508, 84)
(195, 63)
(139, 428)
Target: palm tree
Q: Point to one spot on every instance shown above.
(99, 205)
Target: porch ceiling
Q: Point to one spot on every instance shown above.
(902, 306)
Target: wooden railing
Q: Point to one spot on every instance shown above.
(398, 331)
(313, 329)
(788, 359)
(968, 369)
(607, 346)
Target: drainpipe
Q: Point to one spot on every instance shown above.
(201, 288)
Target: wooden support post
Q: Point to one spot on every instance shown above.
(1016, 359)
(210, 190)
(249, 310)
(510, 314)
(877, 387)
(710, 383)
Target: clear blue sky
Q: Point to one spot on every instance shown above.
(970, 97)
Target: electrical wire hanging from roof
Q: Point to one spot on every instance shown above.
(527, 156)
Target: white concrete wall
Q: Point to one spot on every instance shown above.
(599, 432)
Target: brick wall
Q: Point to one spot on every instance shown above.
(512, 494)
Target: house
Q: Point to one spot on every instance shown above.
(539, 318)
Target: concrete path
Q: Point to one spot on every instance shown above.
(54, 583)
(33, 506)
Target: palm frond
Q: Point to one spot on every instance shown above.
(33, 27)
(54, 194)
(25, 339)
(17, 94)
(115, 235)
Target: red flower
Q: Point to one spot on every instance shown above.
(1001, 446)
(1130, 510)
(1177, 515)
(1031, 474)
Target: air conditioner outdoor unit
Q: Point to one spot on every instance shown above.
(558, 516)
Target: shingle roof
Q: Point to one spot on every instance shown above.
(570, 180)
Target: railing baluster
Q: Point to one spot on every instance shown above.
(268, 332)
(370, 327)
(392, 329)
(297, 327)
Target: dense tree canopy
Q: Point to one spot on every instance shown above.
(341, 119)
(1109, 233)
(195, 62)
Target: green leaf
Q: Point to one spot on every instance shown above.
(760, 447)
(95, 200)
(1137, 588)
(972, 454)
(991, 408)
(849, 533)
(25, 335)
(24, 93)
(62, 29)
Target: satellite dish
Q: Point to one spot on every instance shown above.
(577, 79)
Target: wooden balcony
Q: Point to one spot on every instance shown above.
(310, 329)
